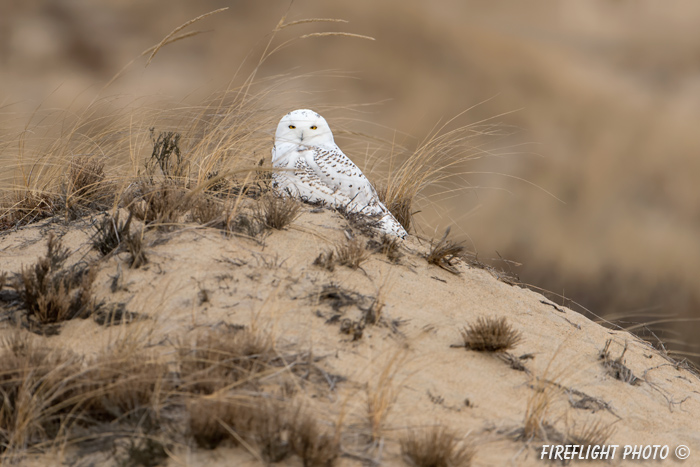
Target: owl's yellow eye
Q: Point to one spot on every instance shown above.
(292, 127)
(314, 127)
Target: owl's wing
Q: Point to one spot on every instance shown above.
(301, 181)
(337, 171)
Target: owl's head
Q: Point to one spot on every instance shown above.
(305, 127)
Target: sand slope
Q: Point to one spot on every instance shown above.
(198, 278)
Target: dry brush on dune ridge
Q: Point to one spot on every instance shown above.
(159, 305)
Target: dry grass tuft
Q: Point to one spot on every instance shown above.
(389, 246)
(310, 443)
(211, 421)
(110, 232)
(592, 433)
(50, 393)
(277, 212)
(86, 183)
(444, 253)
(267, 427)
(399, 207)
(222, 358)
(435, 447)
(121, 385)
(351, 254)
(247, 225)
(144, 451)
(52, 294)
(162, 205)
(366, 224)
(33, 384)
(535, 424)
(208, 211)
(326, 260)
(490, 335)
(29, 206)
(381, 395)
(616, 366)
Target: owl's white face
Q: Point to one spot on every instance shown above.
(304, 127)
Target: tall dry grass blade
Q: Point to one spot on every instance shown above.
(180, 28)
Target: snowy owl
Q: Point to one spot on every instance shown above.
(320, 172)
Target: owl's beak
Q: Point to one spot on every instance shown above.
(302, 136)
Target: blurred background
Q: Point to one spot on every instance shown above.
(597, 99)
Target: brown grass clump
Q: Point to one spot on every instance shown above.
(435, 447)
(33, 382)
(592, 433)
(52, 294)
(27, 207)
(381, 396)
(121, 385)
(388, 246)
(46, 393)
(351, 254)
(86, 185)
(535, 422)
(162, 205)
(211, 421)
(276, 212)
(222, 358)
(268, 428)
(444, 253)
(311, 444)
(207, 211)
(490, 335)
(616, 366)
(399, 206)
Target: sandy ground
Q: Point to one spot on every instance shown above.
(198, 278)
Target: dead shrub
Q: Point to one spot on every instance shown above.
(51, 293)
(616, 366)
(435, 447)
(490, 335)
(167, 156)
(110, 232)
(444, 253)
